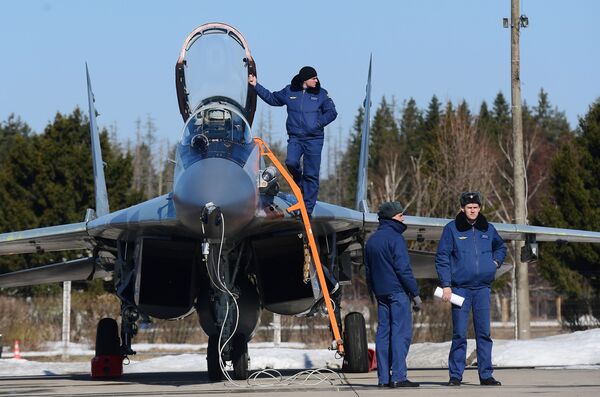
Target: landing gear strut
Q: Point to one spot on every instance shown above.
(236, 352)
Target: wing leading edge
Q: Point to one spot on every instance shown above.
(75, 270)
(73, 236)
(428, 229)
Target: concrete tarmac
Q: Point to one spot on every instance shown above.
(515, 382)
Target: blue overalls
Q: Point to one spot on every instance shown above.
(391, 279)
(309, 111)
(466, 261)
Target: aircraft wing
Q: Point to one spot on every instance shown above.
(73, 236)
(75, 270)
(430, 229)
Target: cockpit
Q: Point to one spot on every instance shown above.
(213, 123)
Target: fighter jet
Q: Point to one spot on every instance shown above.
(226, 241)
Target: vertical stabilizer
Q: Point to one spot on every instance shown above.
(363, 165)
(99, 181)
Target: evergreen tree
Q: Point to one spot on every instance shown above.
(485, 119)
(429, 129)
(433, 115)
(384, 134)
(350, 161)
(551, 121)
(410, 124)
(501, 117)
(47, 179)
(575, 185)
(9, 130)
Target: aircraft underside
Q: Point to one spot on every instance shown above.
(227, 282)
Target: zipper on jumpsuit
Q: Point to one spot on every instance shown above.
(476, 253)
(301, 112)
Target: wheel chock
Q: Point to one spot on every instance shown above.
(107, 366)
(372, 360)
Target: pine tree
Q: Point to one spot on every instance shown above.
(575, 185)
(410, 124)
(484, 119)
(552, 121)
(47, 179)
(384, 134)
(501, 117)
(350, 161)
(9, 130)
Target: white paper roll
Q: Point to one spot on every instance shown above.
(455, 299)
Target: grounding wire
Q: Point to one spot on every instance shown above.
(254, 380)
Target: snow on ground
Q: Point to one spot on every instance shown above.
(576, 349)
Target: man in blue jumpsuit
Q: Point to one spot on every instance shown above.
(469, 252)
(309, 109)
(391, 279)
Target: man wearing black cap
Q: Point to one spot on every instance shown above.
(309, 109)
(391, 279)
(469, 252)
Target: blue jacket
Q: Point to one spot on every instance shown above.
(308, 110)
(468, 255)
(387, 262)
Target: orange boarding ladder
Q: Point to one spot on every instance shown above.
(266, 151)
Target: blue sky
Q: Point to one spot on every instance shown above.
(453, 49)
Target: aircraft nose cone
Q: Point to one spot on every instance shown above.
(221, 182)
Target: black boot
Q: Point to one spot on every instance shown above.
(454, 382)
(404, 383)
(489, 382)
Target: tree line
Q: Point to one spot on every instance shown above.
(426, 157)
(421, 157)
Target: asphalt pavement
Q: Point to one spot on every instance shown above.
(515, 382)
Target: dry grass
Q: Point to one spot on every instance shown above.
(34, 321)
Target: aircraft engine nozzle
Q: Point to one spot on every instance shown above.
(213, 187)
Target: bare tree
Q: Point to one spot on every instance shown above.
(460, 162)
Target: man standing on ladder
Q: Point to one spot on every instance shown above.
(309, 109)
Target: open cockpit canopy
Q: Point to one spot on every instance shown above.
(213, 66)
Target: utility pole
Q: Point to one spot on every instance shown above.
(522, 271)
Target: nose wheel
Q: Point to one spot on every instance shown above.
(212, 359)
(236, 352)
(240, 357)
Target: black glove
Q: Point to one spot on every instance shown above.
(417, 302)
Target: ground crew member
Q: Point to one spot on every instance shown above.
(469, 252)
(391, 279)
(309, 110)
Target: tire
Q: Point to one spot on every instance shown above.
(240, 357)
(212, 359)
(108, 342)
(356, 357)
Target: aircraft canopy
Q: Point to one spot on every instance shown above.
(213, 65)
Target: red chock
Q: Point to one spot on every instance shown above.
(107, 366)
(372, 360)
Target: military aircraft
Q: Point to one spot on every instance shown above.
(225, 242)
